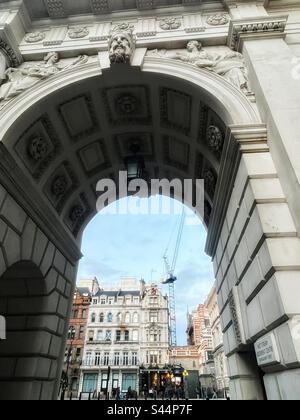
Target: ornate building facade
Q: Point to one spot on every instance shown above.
(127, 339)
(76, 337)
(221, 377)
(199, 90)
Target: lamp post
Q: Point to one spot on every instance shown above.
(135, 163)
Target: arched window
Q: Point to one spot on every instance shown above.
(127, 318)
(93, 318)
(135, 318)
(110, 317)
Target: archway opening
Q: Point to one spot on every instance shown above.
(28, 358)
(85, 128)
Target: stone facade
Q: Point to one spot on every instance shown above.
(127, 336)
(76, 337)
(221, 379)
(223, 108)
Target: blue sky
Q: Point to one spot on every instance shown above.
(133, 245)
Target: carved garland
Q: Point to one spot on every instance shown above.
(13, 58)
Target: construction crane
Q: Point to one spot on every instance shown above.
(171, 280)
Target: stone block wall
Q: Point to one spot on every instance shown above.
(36, 284)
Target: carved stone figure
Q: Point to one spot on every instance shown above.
(231, 65)
(121, 44)
(18, 80)
(3, 66)
(195, 55)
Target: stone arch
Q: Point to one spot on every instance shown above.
(29, 355)
(245, 224)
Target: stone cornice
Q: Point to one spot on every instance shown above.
(264, 27)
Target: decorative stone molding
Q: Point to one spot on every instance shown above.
(265, 27)
(78, 32)
(218, 19)
(14, 59)
(170, 23)
(35, 37)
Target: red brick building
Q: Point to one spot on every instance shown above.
(76, 336)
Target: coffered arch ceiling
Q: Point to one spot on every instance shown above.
(82, 133)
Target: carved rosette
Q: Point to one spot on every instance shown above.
(215, 139)
(218, 19)
(38, 149)
(35, 37)
(78, 32)
(76, 213)
(59, 186)
(169, 24)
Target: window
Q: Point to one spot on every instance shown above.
(117, 359)
(127, 318)
(81, 332)
(100, 335)
(75, 314)
(84, 314)
(126, 336)
(125, 359)
(95, 301)
(118, 335)
(120, 300)
(91, 336)
(135, 335)
(153, 300)
(153, 358)
(101, 318)
(128, 380)
(88, 358)
(119, 317)
(111, 301)
(104, 382)
(134, 359)
(89, 382)
(128, 300)
(93, 318)
(153, 317)
(108, 335)
(135, 318)
(136, 300)
(71, 333)
(97, 358)
(103, 301)
(110, 317)
(115, 381)
(78, 354)
(106, 359)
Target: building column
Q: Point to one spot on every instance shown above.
(257, 265)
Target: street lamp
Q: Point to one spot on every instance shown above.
(135, 163)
